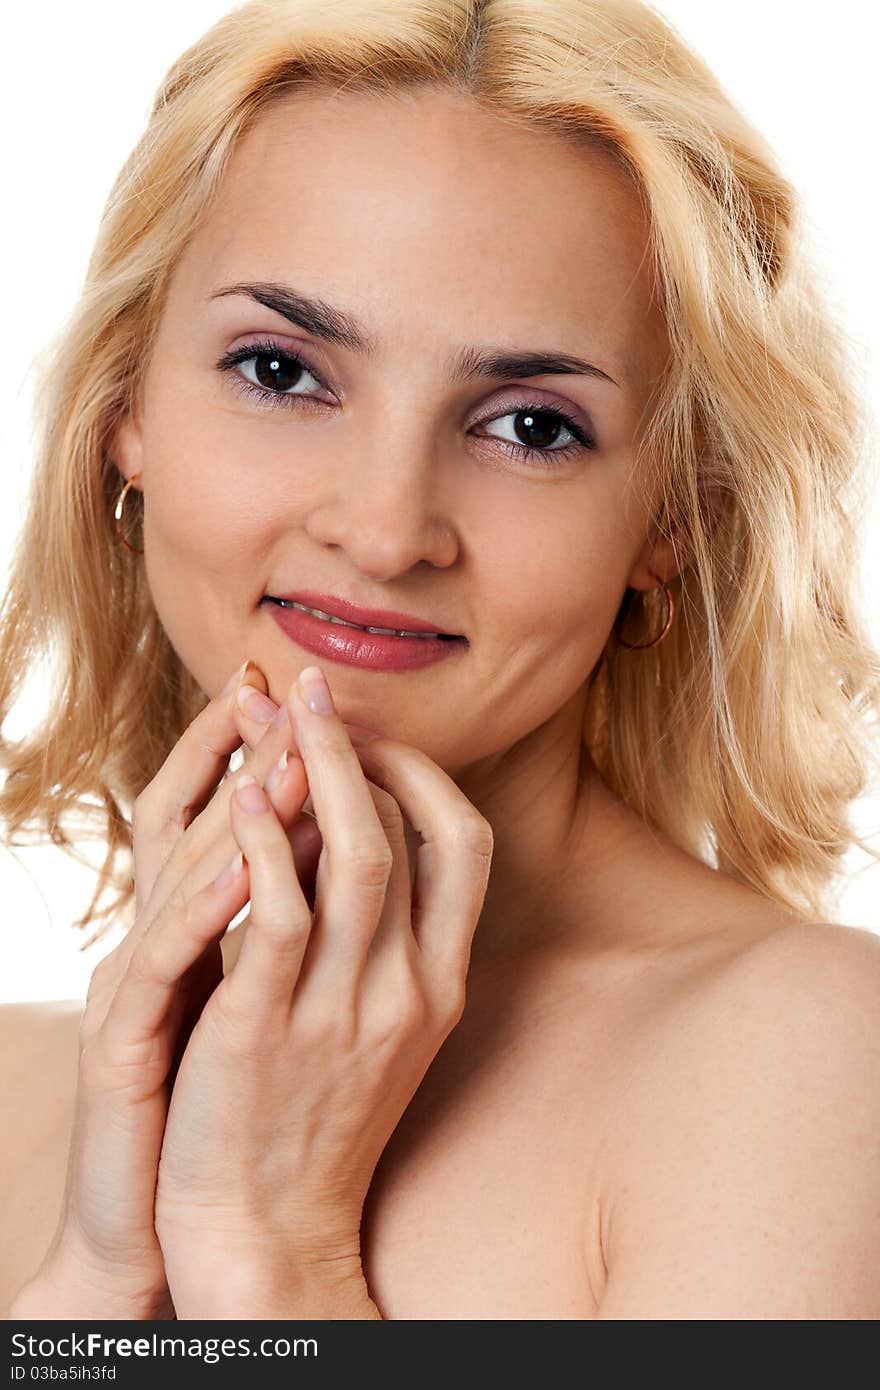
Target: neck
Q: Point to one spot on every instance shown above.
(560, 834)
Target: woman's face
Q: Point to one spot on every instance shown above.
(386, 477)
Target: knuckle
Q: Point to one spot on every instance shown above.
(232, 1027)
(405, 1011)
(474, 835)
(393, 830)
(451, 998)
(387, 808)
(413, 1010)
(285, 931)
(147, 811)
(327, 1024)
(191, 914)
(178, 905)
(482, 836)
(162, 829)
(144, 964)
(146, 959)
(336, 753)
(370, 858)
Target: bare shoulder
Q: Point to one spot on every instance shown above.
(743, 1148)
(39, 1051)
(798, 975)
(826, 955)
(798, 1005)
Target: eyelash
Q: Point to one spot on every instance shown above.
(273, 399)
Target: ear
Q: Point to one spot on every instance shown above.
(656, 564)
(660, 559)
(125, 447)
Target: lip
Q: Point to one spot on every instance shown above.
(365, 617)
(368, 650)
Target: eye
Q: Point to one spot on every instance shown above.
(278, 373)
(540, 423)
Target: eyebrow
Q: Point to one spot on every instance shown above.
(342, 329)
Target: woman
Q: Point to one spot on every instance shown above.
(490, 322)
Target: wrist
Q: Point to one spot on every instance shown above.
(250, 1290)
(69, 1290)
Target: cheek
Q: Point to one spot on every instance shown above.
(205, 546)
(206, 533)
(560, 570)
(208, 483)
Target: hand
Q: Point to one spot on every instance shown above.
(310, 1049)
(105, 1259)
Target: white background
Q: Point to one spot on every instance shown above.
(77, 86)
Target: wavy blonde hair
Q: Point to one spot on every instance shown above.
(746, 735)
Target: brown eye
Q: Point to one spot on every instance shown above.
(536, 433)
(537, 429)
(270, 374)
(276, 371)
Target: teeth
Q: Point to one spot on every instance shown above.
(341, 622)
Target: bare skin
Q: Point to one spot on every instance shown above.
(622, 997)
(494, 1197)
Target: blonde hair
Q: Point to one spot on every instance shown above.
(747, 733)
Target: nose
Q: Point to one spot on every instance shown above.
(385, 513)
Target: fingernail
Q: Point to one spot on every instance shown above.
(280, 717)
(315, 690)
(250, 794)
(228, 874)
(234, 679)
(256, 705)
(277, 773)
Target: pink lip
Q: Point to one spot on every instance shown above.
(366, 649)
(365, 617)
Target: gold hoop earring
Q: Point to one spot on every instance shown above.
(120, 503)
(670, 610)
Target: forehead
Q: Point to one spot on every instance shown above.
(436, 222)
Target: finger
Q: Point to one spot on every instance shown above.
(183, 930)
(264, 976)
(186, 781)
(395, 924)
(254, 726)
(306, 842)
(191, 920)
(255, 720)
(286, 785)
(196, 986)
(253, 711)
(452, 862)
(208, 842)
(356, 859)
